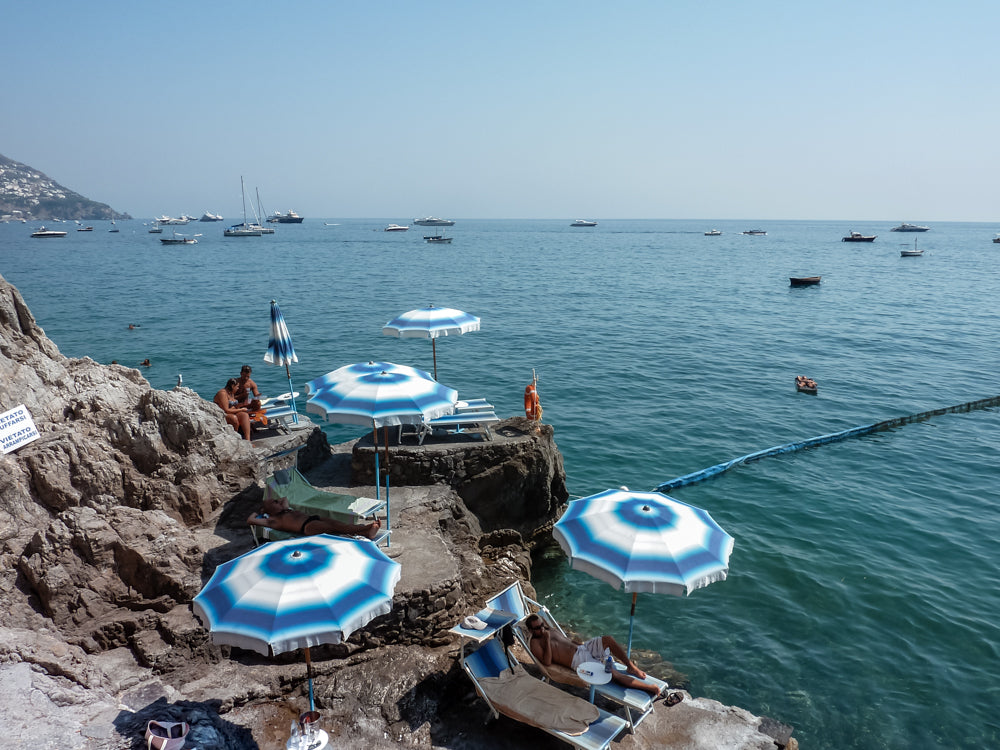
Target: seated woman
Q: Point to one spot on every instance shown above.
(237, 416)
(274, 513)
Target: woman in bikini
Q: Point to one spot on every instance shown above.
(275, 514)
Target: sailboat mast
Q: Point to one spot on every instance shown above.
(243, 190)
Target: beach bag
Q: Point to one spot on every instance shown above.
(166, 735)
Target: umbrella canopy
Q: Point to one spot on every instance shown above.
(280, 350)
(383, 399)
(644, 541)
(297, 593)
(352, 372)
(429, 323)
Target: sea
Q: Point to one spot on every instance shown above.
(863, 597)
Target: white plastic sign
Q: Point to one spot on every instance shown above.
(17, 428)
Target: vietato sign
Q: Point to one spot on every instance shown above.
(17, 428)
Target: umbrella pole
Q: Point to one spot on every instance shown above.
(631, 624)
(388, 514)
(309, 674)
(291, 391)
(378, 476)
(435, 353)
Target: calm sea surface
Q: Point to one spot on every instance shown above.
(863, 599)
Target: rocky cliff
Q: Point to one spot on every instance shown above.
(115, 517)
(26, 193)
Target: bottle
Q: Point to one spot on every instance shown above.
(609, 663)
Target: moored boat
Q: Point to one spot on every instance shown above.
(208, 216)
(433, 221)
(904, 227)
(583, 223)
(804, 280)
(997, 239)
(290, 218)
(713, 233)
(395, 228)
(43, 232)
(858, 237)
(438, 239)
(179, 239)
(755, 232)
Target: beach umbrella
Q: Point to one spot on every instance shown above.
(352, 372)
(644, 542)
(281, 352)
(429, 323)
(297, 593)
(386, 398)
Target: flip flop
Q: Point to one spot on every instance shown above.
(672, 699)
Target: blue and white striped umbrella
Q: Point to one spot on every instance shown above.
(644, 541)
(297, 593)
(280, 350)
(429, 323)
(383, 399)
(353, 372)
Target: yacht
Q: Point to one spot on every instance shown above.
(431, 221)
(583, 223)
(171, 221)
(395, 228)
(207, 216)
(904, 227)
(43, 232)
(290, 218)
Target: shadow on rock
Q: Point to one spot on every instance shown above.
(208, 730)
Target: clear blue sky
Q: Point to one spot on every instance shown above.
(665, 109)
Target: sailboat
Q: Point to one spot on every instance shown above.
(244, 229)
(114, 227)
(914, 253)
(257, 217)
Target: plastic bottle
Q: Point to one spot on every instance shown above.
(609, 663)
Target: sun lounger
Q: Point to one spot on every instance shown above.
(509, 690)
(302, 496)
(472, 405)
(637, 703)
(470, 423)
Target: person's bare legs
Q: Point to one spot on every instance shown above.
(634, 676)
(240, 422)
(330, 526)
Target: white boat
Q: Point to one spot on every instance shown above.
(167, 220)
(256, 223)
(904, 227)
(914, 253)
(395, 228)
(179, 239)
(713, 233)
(433, 221)
(156, 228)
(244, 229)
(114, 227)
(43, 232)
(583, 223)
(290, 218)
(207, 216)
(85, 229)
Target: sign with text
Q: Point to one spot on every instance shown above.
(17, 428)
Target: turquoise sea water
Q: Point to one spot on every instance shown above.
(863, 602)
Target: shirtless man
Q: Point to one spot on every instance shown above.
(247, 393)
(552, 647)
(238, 417)
(275, 514)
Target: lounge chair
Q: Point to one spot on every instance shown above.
(509, 690)
(473, 405)
(468, 423)
(302, 496)
(637, 703)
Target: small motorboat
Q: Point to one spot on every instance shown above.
(805, 385)
(437, 239)
(396, 228)
(713, 233)
(804, 280)
(755, 232)
(85, 229)
(180, 239)
(914, 253)
(997, 239)
(583, 223)
(858, 237)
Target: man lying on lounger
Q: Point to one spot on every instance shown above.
(552, 647)
(275, 514)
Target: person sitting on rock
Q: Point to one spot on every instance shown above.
(552, 647)
(237, 416)
(247, 393)
(275, 514)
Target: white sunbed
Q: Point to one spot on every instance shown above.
(509, 690)
(638, 702)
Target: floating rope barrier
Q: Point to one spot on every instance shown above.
(833, 437)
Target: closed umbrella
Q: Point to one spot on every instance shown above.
(297, 593)
(429, 323)
(386, 398)
(644, 542)
(281, 352)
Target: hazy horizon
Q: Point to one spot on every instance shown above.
(578, 110)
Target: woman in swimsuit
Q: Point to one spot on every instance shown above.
(275, 514)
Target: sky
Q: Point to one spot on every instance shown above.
(871, 110)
